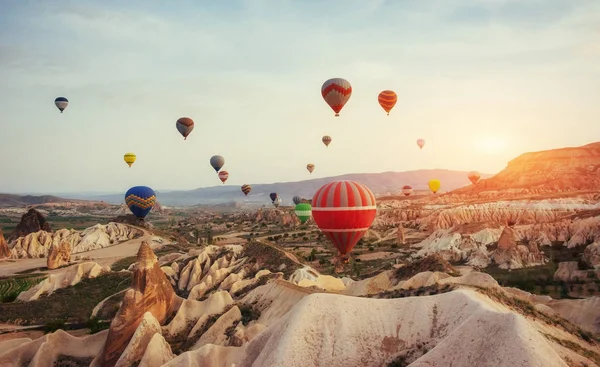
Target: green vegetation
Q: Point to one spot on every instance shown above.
(11, 287)
(71, 304)
(95, 325)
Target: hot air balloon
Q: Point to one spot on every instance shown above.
(326, 140)
(310, 167)
(434, 185)
(140, 200)
(387, 100)
(276, 202)
(216, 161)
(246, 189)
(129, 158)
(474, 176)
(185, 125)
(223, 175)
(297, 200)
(61, 103)
(273, 196)
(336, 92)
(407, 190)
(344, 211)
(421, 143)
(303, 211)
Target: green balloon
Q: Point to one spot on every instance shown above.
(303, 211)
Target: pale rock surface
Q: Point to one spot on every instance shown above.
(582, 312)
(443, 322)
(209, 356)
(239, 285)
(309, 277)
(377, 284)
(150, 292)
(216, 332)
(190, 310)
(67, 277)
(474, 279)
(37, 244)
(42, 352)
(158, 352)
(424, 279)
(59, 256)
(139, 341)
(6, 345)
(243, 335)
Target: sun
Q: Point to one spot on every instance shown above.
(491, 144)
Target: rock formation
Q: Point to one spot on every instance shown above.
(591, 255)
(566, 169)
(59, 255)
(150, 292)
(31, 222)
(4, 251)
(38, 244)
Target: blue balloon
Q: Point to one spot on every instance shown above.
(140, 200)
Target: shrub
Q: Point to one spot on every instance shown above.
(53, 325)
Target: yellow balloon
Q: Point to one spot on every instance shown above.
(434, 185)
(129, 158)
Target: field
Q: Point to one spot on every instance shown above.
(11, 287)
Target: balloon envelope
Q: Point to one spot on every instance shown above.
(387, 100)
(336, 92)
(326, 140)
(407, 190)
(344, 211)
(273, 196)
(129, 158)
(474, 176)
(310, 167)
(61, 103)
(297, 199)
(185, 125)
(223, 176)
(277, 201)
(303, 211)
(421, 143)
(246, 189)
(434, 185)
(216, 161)
(140, 200)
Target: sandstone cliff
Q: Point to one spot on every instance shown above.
(566, 169)
(4, 251)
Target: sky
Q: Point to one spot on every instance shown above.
(481, 81)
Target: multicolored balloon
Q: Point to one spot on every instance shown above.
(297, 199)
(310, 167)
(140, 200)
(387, 100)
(185, 125)
(61, 103)
(421, 143)
(273, 196)
(434, 185)
(336, 92)
(216, 161)
(344, 211)
(407, 190)
(276, 202)
(129, 158)
(246, 189)
(303, 211)
(326, 140)
(474, 177)
(223, 176)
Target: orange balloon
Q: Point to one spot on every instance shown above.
(387, 100)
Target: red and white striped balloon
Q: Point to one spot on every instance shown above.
(223, 176)
(344, 211)
(336, 92)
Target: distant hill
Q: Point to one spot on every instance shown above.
(380, 183)
(10, 200)
(547, 171)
